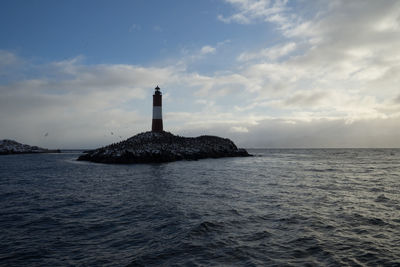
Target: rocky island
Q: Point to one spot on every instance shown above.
(8, 147)
(157, 147)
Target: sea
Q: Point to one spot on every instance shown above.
(282, 207)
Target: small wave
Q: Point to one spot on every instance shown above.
(42, 223)
(303, 241)
(381, 198)
(360, 231)
(321, 170)
(376, 221)
(234, 211)
(285, 209)
(375, 189)
(358, 219)
(299, 253)
(257, 236)
(207, 227)
(292, 219)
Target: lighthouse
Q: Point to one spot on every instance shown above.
(157, 124)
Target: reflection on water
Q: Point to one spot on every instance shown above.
(282, 207)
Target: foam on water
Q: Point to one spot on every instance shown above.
(282, 207)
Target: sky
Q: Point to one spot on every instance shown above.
(265, 73)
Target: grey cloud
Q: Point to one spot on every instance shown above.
(305, 99)
(10, 64)
(7, 58)
(322, 133)
(78, 104)
(346, 55)
(348, 49)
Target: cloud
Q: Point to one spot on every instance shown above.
(135, 27)
(316, 133)
(191, 56)
(7, 58)
(270, 53)
(305, 99)
(9, 65)
(397, 99)
(79, 103)
(239, 18)
(323, 133)
(239, 129)
(157, 28)
(250, 11)
(207, 50)
(323, 53)
(329, 80)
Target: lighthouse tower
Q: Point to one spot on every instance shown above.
(157, 124)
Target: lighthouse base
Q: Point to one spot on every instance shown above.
(157, 125)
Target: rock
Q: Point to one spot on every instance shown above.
(12, 147)
(155, 147)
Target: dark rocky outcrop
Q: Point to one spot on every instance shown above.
(8, 147)
(154, 147)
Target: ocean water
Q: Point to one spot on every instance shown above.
(322, 207)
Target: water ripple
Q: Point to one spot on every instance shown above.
(322, 207)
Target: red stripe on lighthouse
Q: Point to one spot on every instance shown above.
(157, 125)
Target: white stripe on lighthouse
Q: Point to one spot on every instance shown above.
(157, 114)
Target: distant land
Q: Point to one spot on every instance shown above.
(8, 147)
(155, 147)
